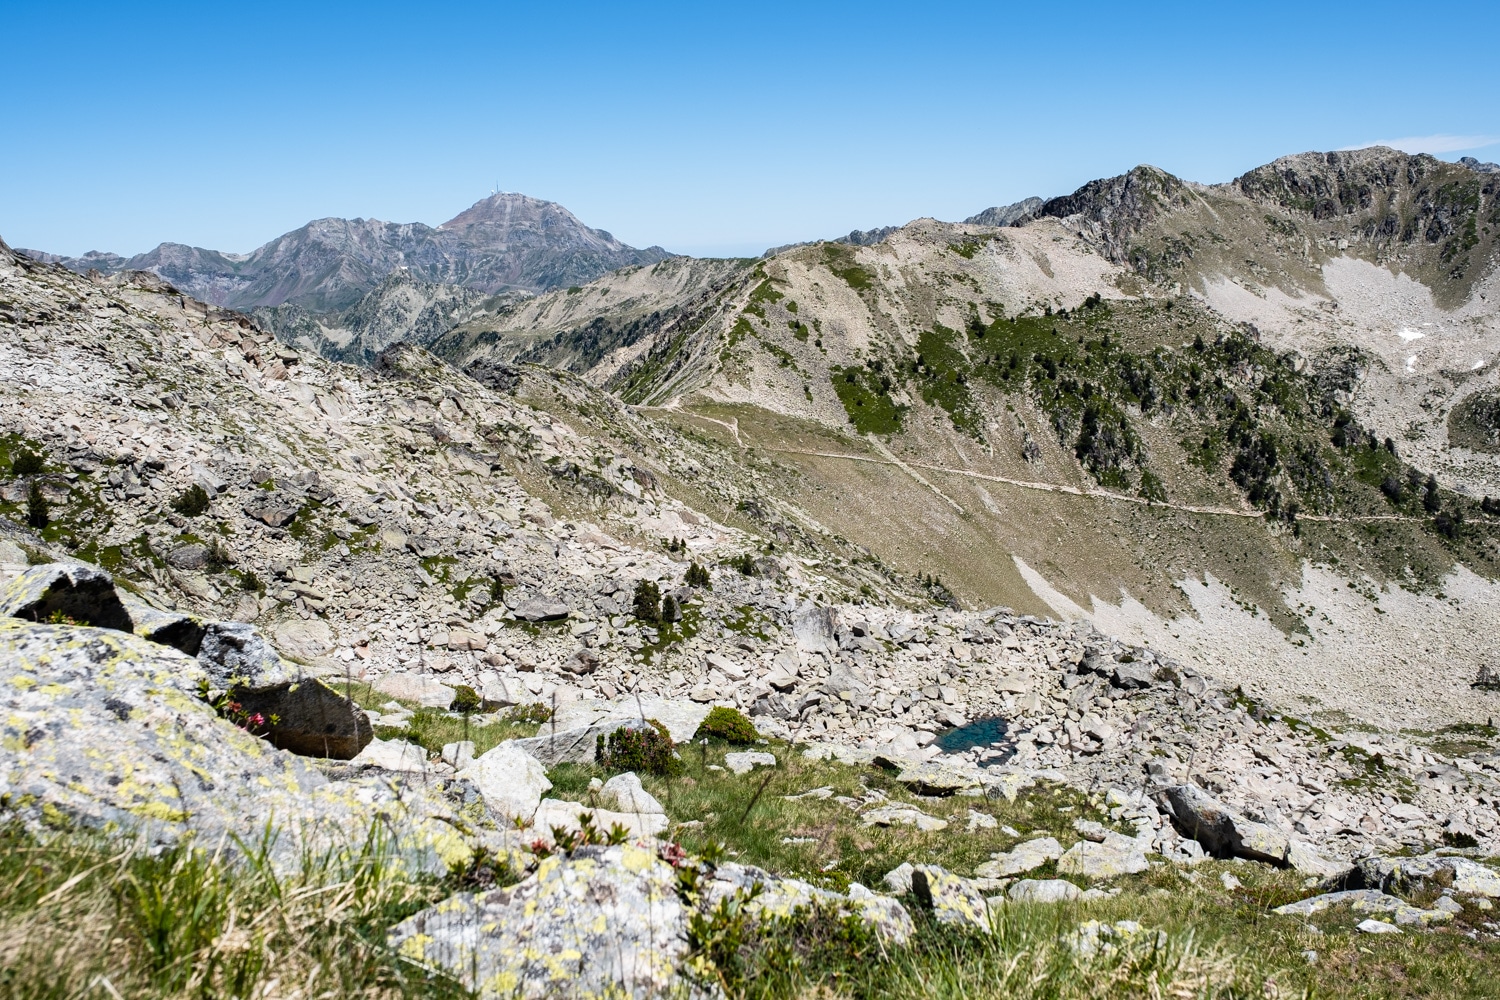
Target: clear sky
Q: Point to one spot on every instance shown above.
(705, 128)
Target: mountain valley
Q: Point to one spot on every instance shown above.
(1132, 555)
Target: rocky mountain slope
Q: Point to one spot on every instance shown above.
(506, 241)
(750, 535)
(408, 524)
(1204, 416)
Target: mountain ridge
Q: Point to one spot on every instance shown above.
(503, 242)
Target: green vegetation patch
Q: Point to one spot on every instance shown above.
(841, 261)
(867, 399)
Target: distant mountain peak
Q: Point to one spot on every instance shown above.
(506, 241)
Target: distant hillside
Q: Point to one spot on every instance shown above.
(505, 242)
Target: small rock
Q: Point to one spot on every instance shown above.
(630, 795)
(903, 816)
(1021, 858)
(1372, 926)
(743, 762)
(898, 879)
(1047, 890)
(458, 755)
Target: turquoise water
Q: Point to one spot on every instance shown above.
(979, 733)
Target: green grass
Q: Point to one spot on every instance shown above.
(85, 917)
(839, 851)
(839, 259)
(433, 728)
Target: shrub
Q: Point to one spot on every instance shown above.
(26, 463)
(671, 611)
(536, 713)
(465, 700)
(647, 604)
(1430, 500)
(697, 576)
(191, 502)
(38, 514)
(727, 724)
(220, 558)
(648, 750)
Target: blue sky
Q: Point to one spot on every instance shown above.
(705, 128)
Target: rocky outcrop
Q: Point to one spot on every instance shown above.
(1113, 210)
(104, 730)
(604, 921)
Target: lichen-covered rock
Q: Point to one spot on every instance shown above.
(103, 730)
(1367, 901)
(1430, 872)
(605, 921)
(782, 898)
(952, 899)
(236, 655)
(1115, 856)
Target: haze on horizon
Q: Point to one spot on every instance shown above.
(704, 131)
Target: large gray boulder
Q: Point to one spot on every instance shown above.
(83, 593)
(1223, 832)
(308, 718)
(103, 730)
(681, 716)
(511, 781)
(300, 714)
(603, 921)
(573, 746)
(542, 609)
(236, 655)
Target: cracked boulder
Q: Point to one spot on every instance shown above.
(1223, 832)
(301, 714)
